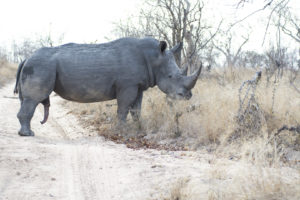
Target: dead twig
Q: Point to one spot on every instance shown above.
(251, 84)
(249, 15)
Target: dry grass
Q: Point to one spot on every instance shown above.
(251, 182)
(177, 191)
(237, 180)
(7, 72)
(209, 119)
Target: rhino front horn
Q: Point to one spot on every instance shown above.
(190, 81)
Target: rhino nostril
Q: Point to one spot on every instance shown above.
(189, 95)
(180, 94)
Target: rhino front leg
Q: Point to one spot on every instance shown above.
(25, 115)
(125, 98)
(135, 110)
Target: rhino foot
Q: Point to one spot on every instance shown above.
(26, 133)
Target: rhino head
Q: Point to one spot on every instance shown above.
(169, 78)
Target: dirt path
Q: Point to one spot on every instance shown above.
(65, 161)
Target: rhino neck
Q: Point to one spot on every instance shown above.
(151, 75)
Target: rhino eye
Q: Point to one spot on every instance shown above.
(170, 76)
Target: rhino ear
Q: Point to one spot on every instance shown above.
(162, 46)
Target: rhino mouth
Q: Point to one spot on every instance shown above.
(180, 96)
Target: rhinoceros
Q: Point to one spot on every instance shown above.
(121, 69)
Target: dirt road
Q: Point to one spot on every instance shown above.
(65, 161)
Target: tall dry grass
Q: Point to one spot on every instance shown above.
(209, 119)
(7, 71)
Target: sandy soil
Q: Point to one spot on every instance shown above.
(66, 161)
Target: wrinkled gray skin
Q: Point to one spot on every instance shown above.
(121, 69)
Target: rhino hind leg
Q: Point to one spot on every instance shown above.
(25, 115)
(35, 85)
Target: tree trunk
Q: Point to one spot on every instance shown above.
(189, 51)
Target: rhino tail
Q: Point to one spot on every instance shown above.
(18, 76)
(46, 103)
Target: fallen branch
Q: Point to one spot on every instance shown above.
(285, 127)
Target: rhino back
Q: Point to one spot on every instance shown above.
(94, 72)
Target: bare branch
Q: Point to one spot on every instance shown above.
(289, 33)
(240, 48)
(172, 20)
(249, 15)
(269, 18)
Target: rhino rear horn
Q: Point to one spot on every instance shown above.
(184, 71)
(190, 81)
